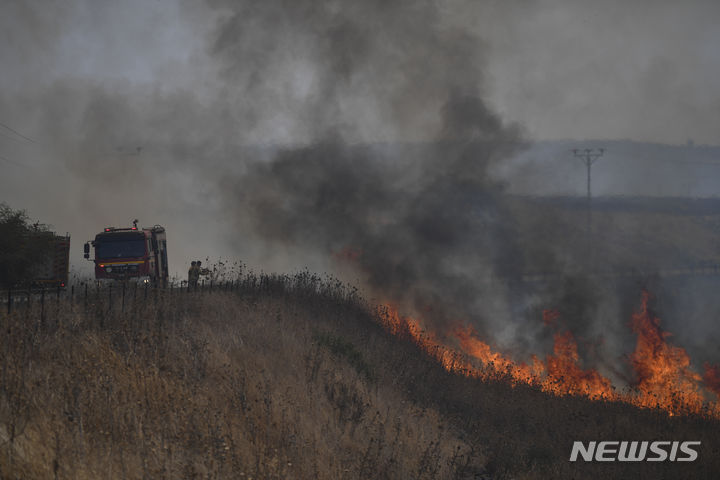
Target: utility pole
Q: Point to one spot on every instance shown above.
(589, 156)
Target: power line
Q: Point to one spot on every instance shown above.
(13, 138)
(134, 153)
(12, 162)
(589, 156)
(17, 133)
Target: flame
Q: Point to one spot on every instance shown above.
(410, 329)
(664, 376)
(711, 377)
(561, 374)
(564, 374)
(566, 377)
(496, 363)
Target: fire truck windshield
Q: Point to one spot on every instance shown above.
(132, 247)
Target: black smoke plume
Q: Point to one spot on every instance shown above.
(424, 225)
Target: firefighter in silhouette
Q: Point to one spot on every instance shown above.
(201, 271)
(193, 274)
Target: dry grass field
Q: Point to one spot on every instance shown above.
(282, 377)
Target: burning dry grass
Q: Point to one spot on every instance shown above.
(283, 377)
(664, 377)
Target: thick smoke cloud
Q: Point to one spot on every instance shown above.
(425, 225)
(369, 71)
(430, 239)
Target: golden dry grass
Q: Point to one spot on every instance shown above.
(282, 377)
(200, 386)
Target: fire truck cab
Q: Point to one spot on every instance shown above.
(130, 254)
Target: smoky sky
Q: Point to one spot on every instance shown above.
(360, 138)
(563, 69)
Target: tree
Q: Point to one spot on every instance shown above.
(23, 246)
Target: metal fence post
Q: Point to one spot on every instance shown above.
(57, 306)
(42, 307)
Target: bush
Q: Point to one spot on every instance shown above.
(21, 246)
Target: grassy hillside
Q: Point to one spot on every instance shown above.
(281, 377)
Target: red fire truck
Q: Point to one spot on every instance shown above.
(130, 253)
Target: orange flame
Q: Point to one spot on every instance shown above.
(664, 376)
(565, 377)
(711, 377)
(410, 329)
(494, 361)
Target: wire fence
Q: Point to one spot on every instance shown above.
(115, 296)
(104, 298)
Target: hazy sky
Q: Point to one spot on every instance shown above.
(645, 70)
